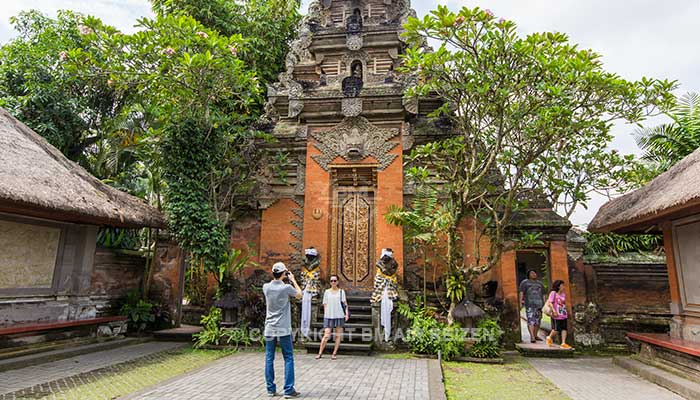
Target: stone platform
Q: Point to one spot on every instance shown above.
(183, 333)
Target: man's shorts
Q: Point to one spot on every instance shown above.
(534, 315)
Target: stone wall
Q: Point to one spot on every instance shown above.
(115, 274)
(616, 295)
(66, 295)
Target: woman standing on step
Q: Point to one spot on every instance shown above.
(557, 302)
(335, 313)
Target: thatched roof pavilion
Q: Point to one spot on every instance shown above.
(672, 194)
(669, 204)
(38, 180)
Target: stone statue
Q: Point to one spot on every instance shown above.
(354, 22)
(352, 85)
(323, 78)
(385, 277)
(311, 278)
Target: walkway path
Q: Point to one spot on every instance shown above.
(240, 376)
(598, 379)
(18, 379)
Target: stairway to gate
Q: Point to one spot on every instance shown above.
(358, 335)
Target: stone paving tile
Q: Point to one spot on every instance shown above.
(241, 376)
(598, 379)
(56, 371)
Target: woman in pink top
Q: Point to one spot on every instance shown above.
(557, 300)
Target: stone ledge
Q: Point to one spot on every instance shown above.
(672, 382)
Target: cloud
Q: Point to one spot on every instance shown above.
(119, 13)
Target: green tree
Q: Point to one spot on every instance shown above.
(74, 113)
(198, 95)
(423, 225)
(268, 27)
(523, 110)
(666, 144)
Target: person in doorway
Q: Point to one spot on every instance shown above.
(335, 313)
(278, 328)
(557, 301)
(532, 297)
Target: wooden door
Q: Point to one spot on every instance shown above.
(354, 238)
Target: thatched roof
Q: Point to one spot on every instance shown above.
(670, 195)
(38, 180)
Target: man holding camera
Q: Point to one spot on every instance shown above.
(278, 328)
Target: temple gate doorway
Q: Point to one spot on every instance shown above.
(353, 226)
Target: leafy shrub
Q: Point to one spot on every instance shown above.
(488, 338)
(214, 334)
(427, 335)
(211, 334)
(138, 311)
(612, 244)
(118, 238)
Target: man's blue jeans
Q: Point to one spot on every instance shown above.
(286, 345)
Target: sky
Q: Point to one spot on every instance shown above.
(637, 38)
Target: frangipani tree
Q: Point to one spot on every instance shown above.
(527, 113)
(199, 94)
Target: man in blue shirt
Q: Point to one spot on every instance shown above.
(278, 328)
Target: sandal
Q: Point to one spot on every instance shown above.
(318, 357)
(334, 357)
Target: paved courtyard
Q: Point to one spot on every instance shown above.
(240, 376)
(56, 371)
(598, 379)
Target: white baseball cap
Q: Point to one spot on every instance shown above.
(279, 267)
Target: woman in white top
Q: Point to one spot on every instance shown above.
(335, 313)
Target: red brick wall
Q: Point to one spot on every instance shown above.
(275, 233)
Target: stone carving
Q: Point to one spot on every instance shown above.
(355, 144)
(410, 104)
(343, 137)
(351, 107)
(354, 42)
(300, 187)
(586, 328)
(407, 140)
(295, 108)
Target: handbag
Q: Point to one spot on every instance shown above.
(547, 309)
(344, 305)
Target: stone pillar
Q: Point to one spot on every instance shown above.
(559, 269)
(168, 278)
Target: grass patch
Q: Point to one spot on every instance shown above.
(397, 356)
(121, 379)
(513, 380)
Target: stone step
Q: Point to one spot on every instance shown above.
(55, 353)
(345, 348)
(348, 336)
(360, 308)
(182, 334)
(357, 326)
(357, 299)
(354, 318)
(542, 350)
(671, 381)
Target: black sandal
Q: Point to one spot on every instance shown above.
(318, 357)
